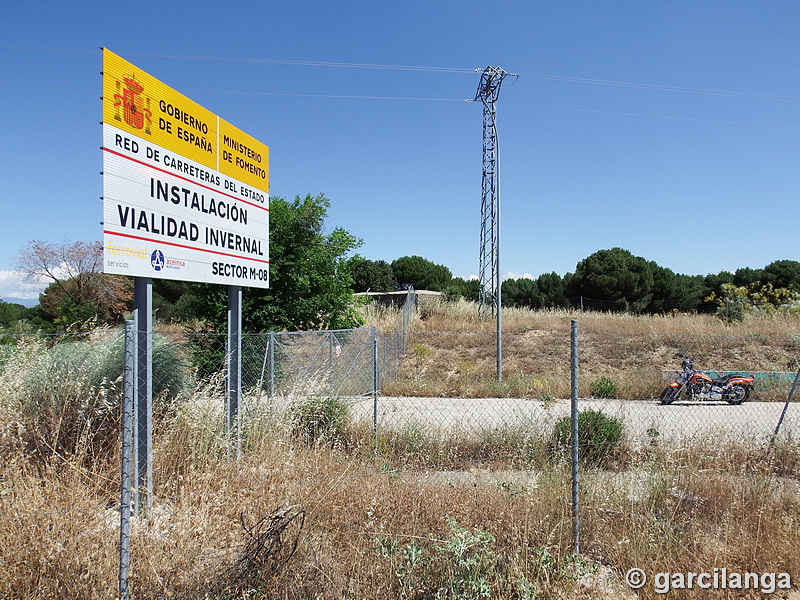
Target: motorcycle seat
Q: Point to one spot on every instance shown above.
(724, 379)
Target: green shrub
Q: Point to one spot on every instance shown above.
(731, 312)
(461, 567)
(320, 420)
(421, 352)
(207, 349)
(599, 436)
(603, 388)
(470, 560)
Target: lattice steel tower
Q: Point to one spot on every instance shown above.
(489, 268)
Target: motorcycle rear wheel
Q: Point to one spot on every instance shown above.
(669, 395)
(737, 395)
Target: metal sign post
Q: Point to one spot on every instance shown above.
(185, 198)
(233, 385)
(143, 412)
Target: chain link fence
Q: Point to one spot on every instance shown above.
(416, 385)
(333, 363)
(279, 369)
(446, 381)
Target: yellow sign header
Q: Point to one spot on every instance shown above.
(141, 105)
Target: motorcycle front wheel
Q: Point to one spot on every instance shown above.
(669, 395)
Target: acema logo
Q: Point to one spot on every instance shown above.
(157, 260)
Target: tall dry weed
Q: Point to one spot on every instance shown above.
(671, 508)
(65, 394)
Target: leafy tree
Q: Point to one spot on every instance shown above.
(63, 308)
(746, 276)
(712, 284)
(187, 302)
(310, 280)
(690, 291)
(616, 277)
(79, 291)
(673, 291)
(783, 274)
(551, 288)
(169, 295)
(371, 275)
(757, 291)
(509, 292)
(458, 287)
(19, 319)
(11, 312)
(664, 292)
(521, 293)
(736, 301)
(421, 273)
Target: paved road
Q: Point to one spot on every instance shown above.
(753, 420)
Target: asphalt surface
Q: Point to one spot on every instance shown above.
(644, 420)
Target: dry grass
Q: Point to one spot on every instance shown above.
(419, 516)
(679, 509)
(463, 316)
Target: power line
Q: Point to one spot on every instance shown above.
(653, 116)
(432, 69)
(309, 63)
(663, 88)
(425, 99)
(45, 49)
(255, 60)
(461, 70)
(344, 96)
(249, 93)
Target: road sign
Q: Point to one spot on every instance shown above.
(186, 194)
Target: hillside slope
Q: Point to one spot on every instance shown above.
(449, 352)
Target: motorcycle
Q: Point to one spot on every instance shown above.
(695, 385)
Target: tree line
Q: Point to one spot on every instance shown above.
(609, 280)
(314, 275)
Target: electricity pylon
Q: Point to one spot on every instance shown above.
(489, 268)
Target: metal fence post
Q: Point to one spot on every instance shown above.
(271, 389)
(574, 422)
(127, 448)
(783, 412)
(374, 333)
(330, 363)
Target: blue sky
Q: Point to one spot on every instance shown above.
(670, 129)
